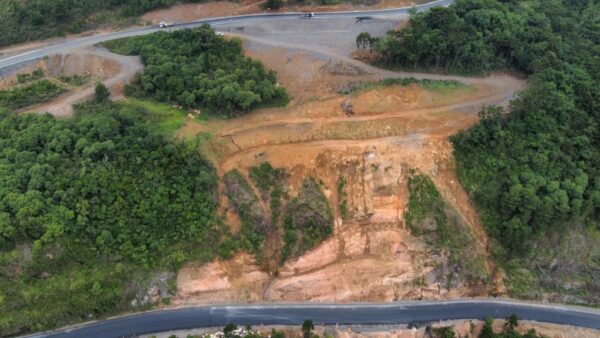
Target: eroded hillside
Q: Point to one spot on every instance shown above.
(361, 148)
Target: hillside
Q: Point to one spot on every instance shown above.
(533, 170)
(28, 20)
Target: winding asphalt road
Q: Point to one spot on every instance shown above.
(358, 314)
(62, 47)
(283, 314)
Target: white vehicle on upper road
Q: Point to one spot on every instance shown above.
(165, 24)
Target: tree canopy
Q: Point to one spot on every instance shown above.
(87, 204)
(198, 69)
(537, 166)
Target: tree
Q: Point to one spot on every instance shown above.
(487, 331)
(448, 333)
(307, 328)
(364, 40)
(229, 329)
(102, 93)
(511, 323)
(198, 69)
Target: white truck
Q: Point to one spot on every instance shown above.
(165, 24)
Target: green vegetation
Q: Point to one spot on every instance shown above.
(74, 80)
(429, 216)
(162, 117)
(196, 68)
(27, 20)
(308, 220)
(271, 182)
(28, 77)
(444, 86)
(89, 207)
(255, 223)
(273, 4)
(509, 330)
(101, 93)
(307, 328)
(342, 198)
(29, 94)
(534, 171)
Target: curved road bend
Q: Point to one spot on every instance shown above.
(357, 314)
(94, 39)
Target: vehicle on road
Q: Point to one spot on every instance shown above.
(165, 24)
(307, 15)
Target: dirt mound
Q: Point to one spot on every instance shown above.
(342, 68)
(79, 63)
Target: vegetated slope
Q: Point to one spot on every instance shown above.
(428, 215)
(280, 227)
(90, 206)
(536, 168)
(26, 20)
(29, 94)
(198, 69)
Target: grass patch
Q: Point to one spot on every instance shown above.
(444, 86)
(165, 119)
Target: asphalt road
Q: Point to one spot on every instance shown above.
(61, 47)
(357, 314)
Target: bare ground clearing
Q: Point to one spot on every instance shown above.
(99, 64)
(371, 255)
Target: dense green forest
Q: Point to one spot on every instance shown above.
(537, 166)
(535, 169)
(26, 20)
(89, 207)
(198, 69)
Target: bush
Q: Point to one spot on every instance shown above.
(274, 4)
(102, 93)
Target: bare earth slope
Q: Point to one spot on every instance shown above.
(371, 256)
